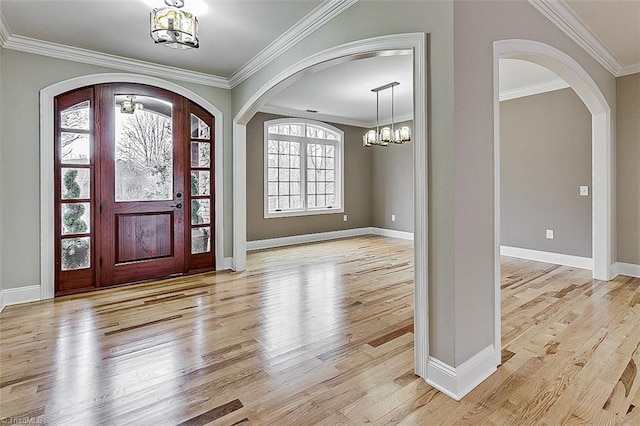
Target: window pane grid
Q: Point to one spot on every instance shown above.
(283, 174)
(201, 207)
(301, 162)
(321, 175)
(76, 173)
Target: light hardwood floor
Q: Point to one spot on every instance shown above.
(316, 334)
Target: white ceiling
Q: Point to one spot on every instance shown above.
(237, 37)
(609, 30)
(343, 93)
(616, 23)
(518, 78)
(231, 32)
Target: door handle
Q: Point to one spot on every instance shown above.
(178, 206)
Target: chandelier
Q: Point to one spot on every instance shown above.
(130, 106)
(386, 135)
(173, 27)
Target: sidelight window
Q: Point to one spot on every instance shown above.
(75, 171)
(200, 183)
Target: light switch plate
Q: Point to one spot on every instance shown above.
(550, 234)
(584, 191)
(393, 218)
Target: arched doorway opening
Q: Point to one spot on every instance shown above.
(602, 153)
(385, 45)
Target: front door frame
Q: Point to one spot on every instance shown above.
(114, 271)
(47, 143)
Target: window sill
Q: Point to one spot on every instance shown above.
(295, 213)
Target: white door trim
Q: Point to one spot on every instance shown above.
(330, 57)
(602, 152)
(47, 138)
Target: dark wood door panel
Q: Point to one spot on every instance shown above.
(75, 280)
(143, 229)
(144, 236)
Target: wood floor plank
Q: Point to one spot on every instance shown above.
(316, 334)
(213, 414)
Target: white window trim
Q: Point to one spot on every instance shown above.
(339, 173)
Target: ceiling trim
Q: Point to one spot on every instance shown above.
(318, 17)
(559, 13)
(290, 112)
(59, 51)
(533, 89)
(629, 69)
(5, 31)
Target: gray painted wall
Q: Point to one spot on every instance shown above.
(357, 188)
(477, 24)
(392, 186)
(23, 75)
(628, 168)
(378, 183)
(545, 156)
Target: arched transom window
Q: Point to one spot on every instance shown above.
(303, 168)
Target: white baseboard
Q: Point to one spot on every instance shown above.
(392, 233)
(457, 382)
(628, 269)
(548, 257)
(14, 296)
(324, 236)
(306, 238)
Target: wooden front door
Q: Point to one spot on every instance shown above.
(134, 198)
(142, 184)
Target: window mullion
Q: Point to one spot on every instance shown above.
(303, 172)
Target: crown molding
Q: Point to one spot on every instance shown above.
(289, 112)
(318, 17)
(559, 13)
(59, 51)
(5, 31)
(533, 89)
(629, 69)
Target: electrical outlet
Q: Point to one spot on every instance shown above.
(584, 191)
(393, 218)
(549, 234)
(344, 218)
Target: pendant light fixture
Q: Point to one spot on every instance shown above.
(130, 106)
(386, 135)
(173, 27)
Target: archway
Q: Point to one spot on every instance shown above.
(47, 269)
(384, 45)
(602, 153)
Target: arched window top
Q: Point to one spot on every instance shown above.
(303, 128)
(76, 117)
